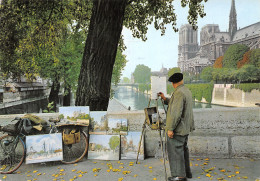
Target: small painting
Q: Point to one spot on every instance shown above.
(74, 114)
(104, 147)
(115, 126)
(130, 145)
(98, 121)
(44, 148)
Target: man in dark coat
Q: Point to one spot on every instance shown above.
(179, 124)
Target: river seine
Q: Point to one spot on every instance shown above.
(138, 101)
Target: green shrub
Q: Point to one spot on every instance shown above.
(247, 87)
(198, 91)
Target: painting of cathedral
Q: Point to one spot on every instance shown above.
(74, 113)
(193, 57)
(117, 126)
(130, 144)
(98, 121)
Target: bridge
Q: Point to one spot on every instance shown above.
(128, 84)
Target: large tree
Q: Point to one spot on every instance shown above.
(102, 20)
(107, 20)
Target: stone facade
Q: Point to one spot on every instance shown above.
(213, 42)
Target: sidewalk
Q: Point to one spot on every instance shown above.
(147, 170)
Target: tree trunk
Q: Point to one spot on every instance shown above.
(99, 55)
(66, 98)
(54, 94)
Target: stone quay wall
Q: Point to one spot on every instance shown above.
(223, 94)
(220, 133)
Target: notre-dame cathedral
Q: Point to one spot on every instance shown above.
(213, 43)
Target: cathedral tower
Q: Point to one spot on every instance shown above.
(232, 20)
(188, 45)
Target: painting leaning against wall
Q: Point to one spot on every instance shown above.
(104, 147)
(130, 145)
(43, 148)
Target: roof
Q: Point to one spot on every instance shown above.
(247, 31)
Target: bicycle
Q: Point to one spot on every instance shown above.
(72, 153)
(13, 147)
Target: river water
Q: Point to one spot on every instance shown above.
(139, 101)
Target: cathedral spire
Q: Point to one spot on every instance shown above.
(232, 20)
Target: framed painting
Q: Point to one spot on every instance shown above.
(43, 148)
(98, 123)
(130, 145)
(77, 114)
(117, 126)
(104, 147)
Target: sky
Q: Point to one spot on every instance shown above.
(160, 51)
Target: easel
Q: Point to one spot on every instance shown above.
(158, 125)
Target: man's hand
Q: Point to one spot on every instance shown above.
(161, 95)
(170, 133)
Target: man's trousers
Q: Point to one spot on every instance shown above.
(178, 154)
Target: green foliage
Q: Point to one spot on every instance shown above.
(119, 65)
(200, 91)
(140, 14)
(49, 109)
(144, 87)
(114, 142)
(234, 54)
(126, 80)
(255, 57)
(142, 74)
(248, 73)
(247, 87)
(206, 74)
(173, 71)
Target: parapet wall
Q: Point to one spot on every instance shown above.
(220, 133)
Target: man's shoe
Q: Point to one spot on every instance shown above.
(189, 175)
(177, 179)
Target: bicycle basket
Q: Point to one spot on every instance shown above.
(71, 138)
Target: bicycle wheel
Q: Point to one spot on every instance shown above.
(12, 153)
(73, 153)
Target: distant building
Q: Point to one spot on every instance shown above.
(213, 42)
(163, 72)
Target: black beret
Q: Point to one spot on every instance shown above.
(177, 77)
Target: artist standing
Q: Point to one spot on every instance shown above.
(179, 123)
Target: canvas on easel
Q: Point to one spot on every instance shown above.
(158, 84)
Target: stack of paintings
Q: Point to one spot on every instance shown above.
(109, 138)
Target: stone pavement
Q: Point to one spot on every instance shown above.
(147, 170)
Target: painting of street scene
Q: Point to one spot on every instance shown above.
(76, 113)
(44, 148)
(130, 144)
(115, 126)
(104, 147)
(98, 121)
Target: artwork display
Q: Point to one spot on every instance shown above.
(158, 84)
(104, 147)
(130, 144)
(43, 148)
(115, 126)
(78, 114)
(99, 121)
